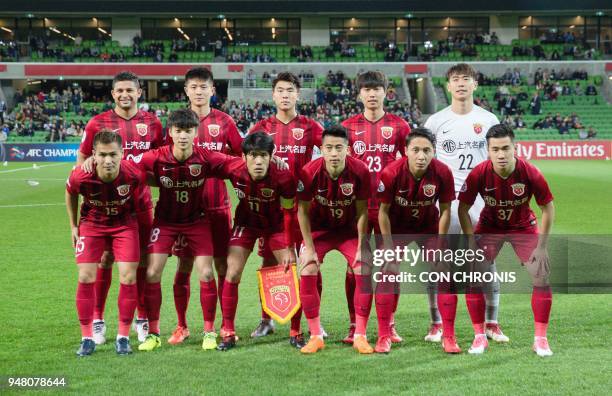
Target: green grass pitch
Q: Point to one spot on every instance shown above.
(39, 329)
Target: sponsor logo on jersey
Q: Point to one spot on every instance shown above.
(381, 186)
(213, 130)
(123, 190)
(166, 181)
(429, 190)
(449, 146)
(134, 158)
(478, 128)
(386, 132)
(359, 147)
(298, 133)
(300, 186)
(346, 188)
(518, 189)
(267, 192)
(239, 193)
(195, 170)
(142, 129)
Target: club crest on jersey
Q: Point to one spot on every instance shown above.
(386, 132)
(142, 129)
(429, 190)
(346, 188)
(195, 170)
(381, 186)
(518, 189)
(214, 129)
(298, 133)
(267, 192)
(166, 181)
(478, 128)
(239, 193)
(123, 190)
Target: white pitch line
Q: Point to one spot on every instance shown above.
(35, 178)
(31, 205)
(31, 168)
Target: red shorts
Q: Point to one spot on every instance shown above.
(491, 241)
(246, 237)
(296, 236)
(145, 222)
(221, 219)
(94, 239)
(345, 242)
(196, 235)
(428, 240)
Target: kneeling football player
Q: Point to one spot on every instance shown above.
(262, 190)
(506, 184)
(333, 194)
(112, 194)
(409, 190)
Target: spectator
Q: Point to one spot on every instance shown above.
(592, 134)
(591, 90)
(535, 104)
(578, 90)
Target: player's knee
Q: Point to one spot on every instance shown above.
(107, 260)
(221, 266)
(153, 275)
(87, 277)
(310, 269)
(128, 279)
(233, 276)
(185, 265)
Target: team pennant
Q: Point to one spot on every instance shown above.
(279, 291)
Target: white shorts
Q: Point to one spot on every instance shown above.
(455, 226)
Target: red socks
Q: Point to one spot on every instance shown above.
(182, 292)
(296, 323)
(476, 306)
(349, 288)
(447, 305)
(541, 302)
(385, 302)
(141, 283)
(229, 304)
(311, 302)
(319, 284)
(104, 276)
(153, 301)
(128, 299)
(220, 284)
(363, 303)
(208, 300)
(85, 296)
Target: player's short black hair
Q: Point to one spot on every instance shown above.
(372, 79)
(336, 131)
(258, 141)
(423, 133)
(106, 136)
(500, 131)
(461, 69)
(287, 77)
(199, 73)
(183, 119)
(126, 76)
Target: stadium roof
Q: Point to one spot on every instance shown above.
(276, 7)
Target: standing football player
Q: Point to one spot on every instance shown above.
(140, 131)
(217, 132)
(409, 190)
(506, 184)
(262, 190)
(181, 170)
(377, 138)
(460, 131)
(332, 212)
(112, 195)
(295, 137)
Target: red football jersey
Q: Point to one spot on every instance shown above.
(413, 202)
(108, 204)
(141, 133)
(294, 141)
(506, 200)
(333, 201)
(181, 183)
(218, 132)
(376, 144)
(260, 201)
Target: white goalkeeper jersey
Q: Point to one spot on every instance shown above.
(460, 139)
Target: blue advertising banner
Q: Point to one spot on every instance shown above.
(40, 152)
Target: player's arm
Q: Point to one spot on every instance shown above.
(84, 153)
(385, 224)
(464, 218)
(308, 255)
(445, 218)
(72, 207)
(362, 224)
(548, 217)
